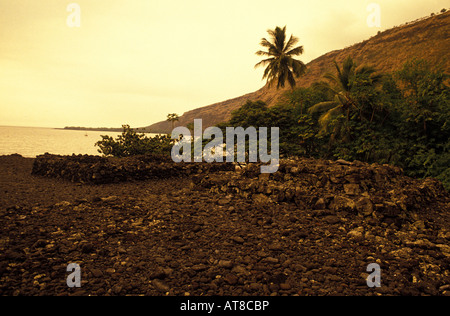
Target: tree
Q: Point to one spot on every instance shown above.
(131, 143)
(173, 118)
(281, 65)
(250, 114)
(342, 85)
(427, 97)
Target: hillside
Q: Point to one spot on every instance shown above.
(427, 38)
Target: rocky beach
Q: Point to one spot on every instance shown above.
(146, 226)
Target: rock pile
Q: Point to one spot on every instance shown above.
(380, 191)
(312, 228)
(103, 170)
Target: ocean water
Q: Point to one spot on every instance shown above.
(33, 141)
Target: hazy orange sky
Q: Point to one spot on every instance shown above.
(133, 62)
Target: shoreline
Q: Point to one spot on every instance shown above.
(200, 235)
(104, 129)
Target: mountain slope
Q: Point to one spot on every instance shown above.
(427, 38)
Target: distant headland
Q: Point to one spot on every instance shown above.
(102, 129)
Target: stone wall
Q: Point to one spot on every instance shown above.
(380, 191)
(102, 170)
(327, 187)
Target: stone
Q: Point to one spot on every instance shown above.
(445, 249)
(158, 273)
(255, 286)
(352, 189)
(224, 201)
(320, 204)
(270, 260)
(63, 204)
(109, 199)
(276, 246)
(343, 162)
(341, 203)
(238, 239)
(364, 206)
(356, 233)
(199, 267)
(285, 286)
(402, 253)
(160, 286)
(231, 279)
(261, 199)
(332, 219)
(97, 273)
(117, 289)
(240, 270)
(225, 264)
(87, 248)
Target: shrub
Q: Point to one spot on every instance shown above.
(131, 143)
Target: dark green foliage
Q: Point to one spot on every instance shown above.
(424, 121)
(250, 114)
(295, 138)
(400, 118)
(131, 143)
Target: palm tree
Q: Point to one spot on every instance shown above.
(341, 87)
(173, 118)
(281, 65)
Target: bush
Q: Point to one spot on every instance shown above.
(131, 143)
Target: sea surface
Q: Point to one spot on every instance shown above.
(32, 141)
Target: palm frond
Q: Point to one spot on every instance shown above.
(263, 53)
(346, 73)
(295, 51)
(291, 79)
(332, 78)
(323, 106)
(265, 43)
(264, 62)
(298, 67)
(325, 119)
(291, 42)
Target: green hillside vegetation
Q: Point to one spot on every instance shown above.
(400, 118)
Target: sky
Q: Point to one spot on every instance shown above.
(105, 63)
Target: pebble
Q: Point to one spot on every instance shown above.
(109, 199)
(225, 264)
(270, 260)
(160, 286)
(238, 239)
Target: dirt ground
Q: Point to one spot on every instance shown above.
(164, 237)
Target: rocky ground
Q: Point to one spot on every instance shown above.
(310, 229)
